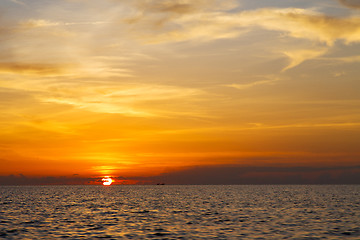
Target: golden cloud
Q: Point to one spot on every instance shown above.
(299, 56)
(261, 80)
(162, 25)
(126, 100)
(323, 28)
(31, 68)
(38, 23)
(301, 23)
(35, 23)
(178, 20)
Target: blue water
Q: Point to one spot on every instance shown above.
(180, 212)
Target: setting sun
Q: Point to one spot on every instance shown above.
(107, 181)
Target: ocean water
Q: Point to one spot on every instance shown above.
(180, 212)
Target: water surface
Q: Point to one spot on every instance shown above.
(180, 212)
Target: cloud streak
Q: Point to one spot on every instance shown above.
(299, 56)
(220, 174)
(50, 180)
(351, 3)
(18, 2)
(298, 23)
(39, 23)
(31, 68)
(233, 174)
(116, 99)
(266, 80)
(167, 22)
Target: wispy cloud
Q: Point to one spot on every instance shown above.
(31, 68)
(298, 23)
(258, 80)
(179, 20)
(249, 85)
(299, 56)
(183, 6)
(262, 126)
(116, 99)
(34, 23)
(38, 23)
(173, 22)
(307, 24)
(18, 2)
(49, 180)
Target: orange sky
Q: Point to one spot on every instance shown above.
(149, 90)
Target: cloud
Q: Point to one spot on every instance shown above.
(236, 174)
(261, 126)
(324, 28)
(47, 180)
(351, 3)
(178, 20)
(116, 99)
(183, 6)
(348, 59)
(299, 56)
(167, 22)
(212, 24)
(219, 174)
(249, 85)
(47, 47)
(268, 80)
(31, 68)
(303, 23)
(18, 2)
(172, 6)
(35, 23)
(39, 23)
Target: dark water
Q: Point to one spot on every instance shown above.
(180, 212)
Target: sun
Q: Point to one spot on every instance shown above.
(107, 181)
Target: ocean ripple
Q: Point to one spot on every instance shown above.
(180, 212)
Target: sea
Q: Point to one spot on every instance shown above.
(180, 212)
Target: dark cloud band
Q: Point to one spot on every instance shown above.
(351, 3)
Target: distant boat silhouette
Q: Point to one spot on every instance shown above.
(160, 184)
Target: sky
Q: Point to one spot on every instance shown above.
(180, 91)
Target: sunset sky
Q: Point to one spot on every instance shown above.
(179, 91)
